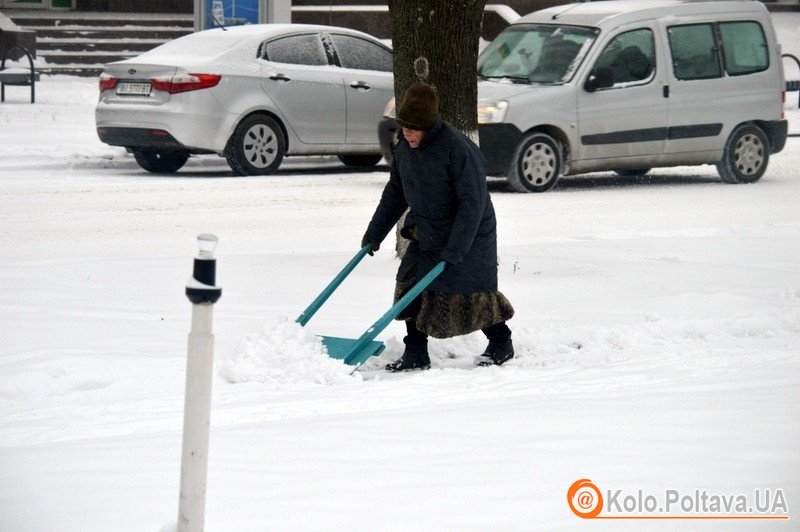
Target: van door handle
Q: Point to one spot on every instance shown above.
(666, 91)
(279, 77)
(360, 85)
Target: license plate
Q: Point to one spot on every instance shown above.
(133, 89)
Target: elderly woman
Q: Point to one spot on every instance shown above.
(440, 175)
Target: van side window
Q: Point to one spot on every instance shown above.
(630, 57)
(744, 46)
(694, 52)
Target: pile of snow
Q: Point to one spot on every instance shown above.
(284, 354)
(46, 375)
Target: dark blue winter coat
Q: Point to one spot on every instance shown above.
(443, 182)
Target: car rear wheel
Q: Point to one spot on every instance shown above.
(632, 172)
(160, 161)
(360, 160)
(536, 164)
(746, 155)
(256, 147)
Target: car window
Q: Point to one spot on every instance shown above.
(694, 52)
(744, 47)
(631, 57)
(536, 53)
(296, 50)
(355, 52)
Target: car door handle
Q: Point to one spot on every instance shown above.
(279, 77)
(360, 85)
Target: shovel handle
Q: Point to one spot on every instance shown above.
(395, 311)
(315, 305)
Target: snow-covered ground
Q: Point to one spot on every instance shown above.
(657, 332)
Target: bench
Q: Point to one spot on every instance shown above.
(18, 76)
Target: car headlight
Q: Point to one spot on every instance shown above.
(389, 111)
(492, 112)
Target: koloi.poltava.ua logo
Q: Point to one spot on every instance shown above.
(586, 500)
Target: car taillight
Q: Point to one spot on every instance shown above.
(107, 82)
(185, 82)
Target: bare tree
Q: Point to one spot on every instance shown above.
(436, 41)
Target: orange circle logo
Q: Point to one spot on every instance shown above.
(585, 499)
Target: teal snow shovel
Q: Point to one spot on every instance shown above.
(356, 351)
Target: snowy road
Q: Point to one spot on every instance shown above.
(657, 328)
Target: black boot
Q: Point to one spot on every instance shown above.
(500, 349)
(415, 355)
(496, 354)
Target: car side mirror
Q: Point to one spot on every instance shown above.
(601, 78)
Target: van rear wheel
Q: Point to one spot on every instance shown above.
(536, 164)
(746, 155)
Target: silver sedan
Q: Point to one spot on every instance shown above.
(253, 94)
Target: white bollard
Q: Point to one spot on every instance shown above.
(203, 293)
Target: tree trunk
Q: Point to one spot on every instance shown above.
(436, 41)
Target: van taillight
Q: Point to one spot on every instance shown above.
(107, 82)
(185, 82)
(783, 105)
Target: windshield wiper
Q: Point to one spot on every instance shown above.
(515, 79)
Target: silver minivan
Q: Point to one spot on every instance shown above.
(632, 85)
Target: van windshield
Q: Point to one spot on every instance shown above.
(537, 53)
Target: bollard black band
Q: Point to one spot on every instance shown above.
(200, 288)
(205, 271)
(203, 295)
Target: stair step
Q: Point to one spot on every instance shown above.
(97, 58)
(113, 23)
(95, 19)
(84, 71)
(89, 40)
(109, 32)
(93, 45)
(105, 27)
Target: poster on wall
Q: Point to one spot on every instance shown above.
(230, 13)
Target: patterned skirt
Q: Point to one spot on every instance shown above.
(446, 314)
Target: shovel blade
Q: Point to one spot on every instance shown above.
(340, 348)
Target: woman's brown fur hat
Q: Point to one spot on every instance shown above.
(420, 108)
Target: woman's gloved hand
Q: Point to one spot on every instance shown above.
(373, 247)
